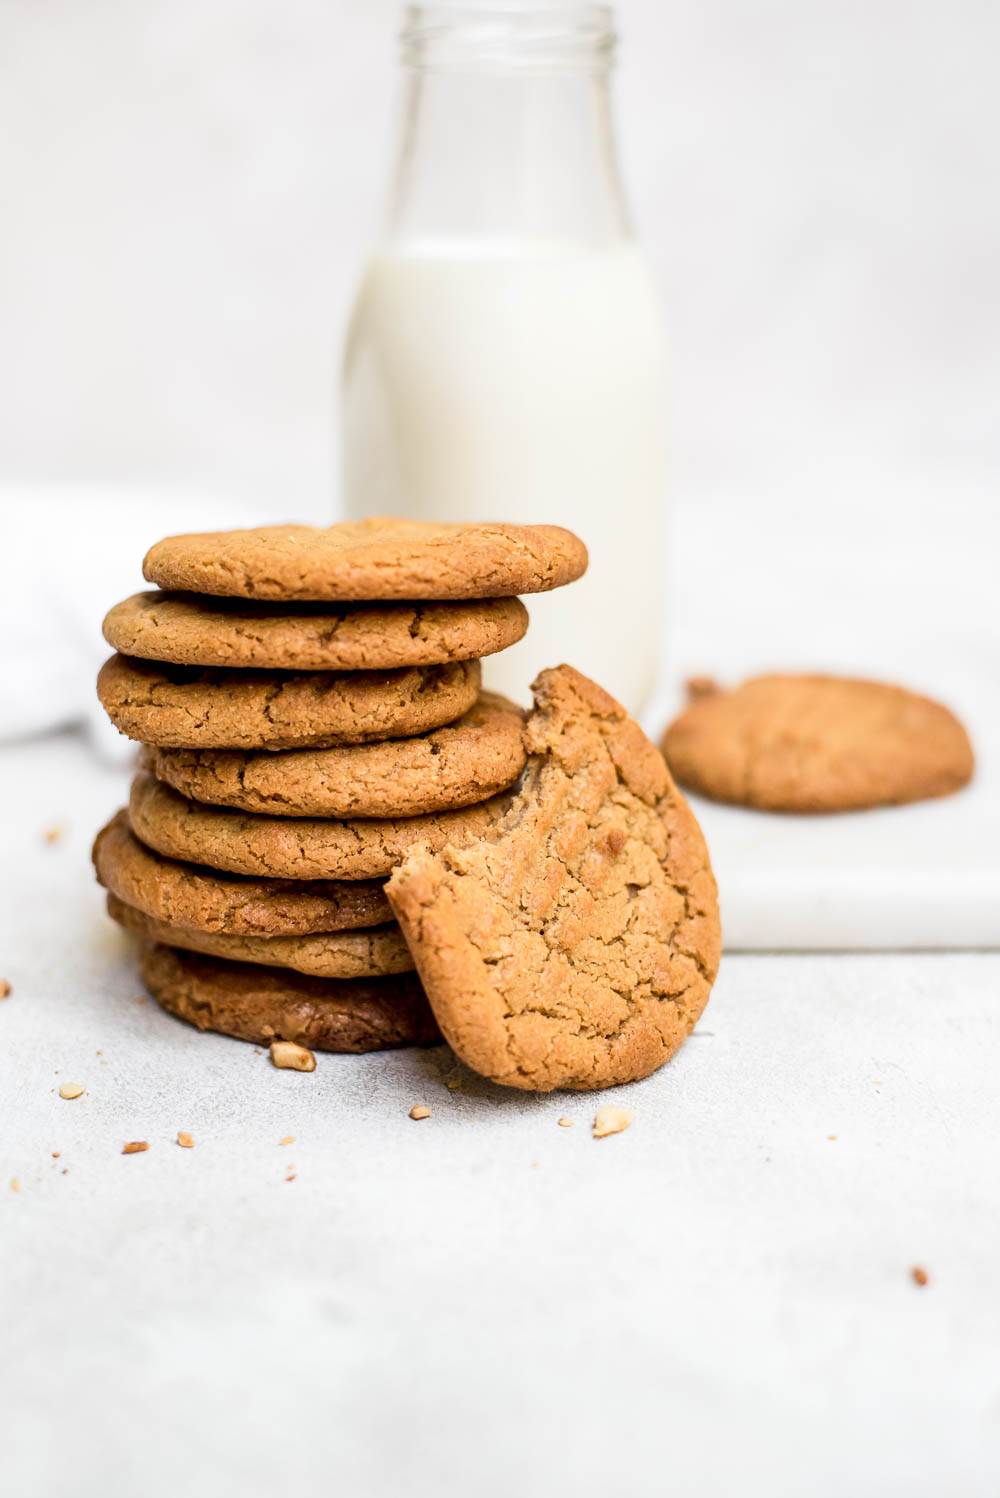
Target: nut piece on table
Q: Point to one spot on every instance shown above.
(418, 1111)
(291, 1057)
(135, 1147)
(185, 1140)
(70, 1090)
(611, 1120)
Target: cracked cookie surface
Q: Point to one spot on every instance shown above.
(470, 760)
(261, 1004)
(244, 842)
(575, 944)
(372, 953)
(378, 558)
(190, 707)
(203, 899)
(818, 744)
(189, 630)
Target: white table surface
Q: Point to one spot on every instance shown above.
(716, 1302)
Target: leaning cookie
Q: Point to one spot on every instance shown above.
(576, 944)
(818, 744)
(261, 1004)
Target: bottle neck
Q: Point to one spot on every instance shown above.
(506, 130)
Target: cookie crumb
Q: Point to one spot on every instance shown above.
(15, 1184)
(291, 1057)
(54, 833)
(55, 1154)
(419, 1111)
(919, 1275)
(288, 1139)
(70, 1090)
(831, 1136)
(454, 1083)
(611, 1120)
(5, 989)
(135, 1147)
(701, 686)
(186, 1141)
(565, 1123)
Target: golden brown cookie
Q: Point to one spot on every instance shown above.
(187, 707)
(202, 899)
(576, 944)
(243, 842)
(189, 630)
(379, 558)
(818, 744)
(261, 1004)
(476, 757)
(372, 953)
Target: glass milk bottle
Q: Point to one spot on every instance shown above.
(505, 356)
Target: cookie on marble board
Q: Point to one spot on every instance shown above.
(190, 707)
(816, 743)
(203, 899)
(291, 847)
(374, 952)
(575, 944)
(262, 1004)
(470, 760)
(375, 559)
(190, 630)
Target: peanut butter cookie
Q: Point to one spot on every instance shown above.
(202, 899)
(378, 558)
(372, 953)
(575, 945)
(476, 757)
(243, 842)
(187, 707)
(189, 630)
(261, 1004)
(818, 744)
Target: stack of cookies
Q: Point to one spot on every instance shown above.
(309, 708)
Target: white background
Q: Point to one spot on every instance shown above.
(188, 188)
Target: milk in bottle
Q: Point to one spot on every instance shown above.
(505, 356)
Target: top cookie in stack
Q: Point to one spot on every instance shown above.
(310, 706)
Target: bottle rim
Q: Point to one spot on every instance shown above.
(477, 35)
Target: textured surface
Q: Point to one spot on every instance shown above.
(186, 707)
(204, 899)
(578, 945)
(290, 847)
(194, 631)
(370, 559)
(161, 1311)
(370, 953)
(262, 1004)
(466, 761)
(818, 744)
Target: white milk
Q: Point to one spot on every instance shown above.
(522, 384)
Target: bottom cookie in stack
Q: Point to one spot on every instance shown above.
(317, 962)
(264, 1004)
